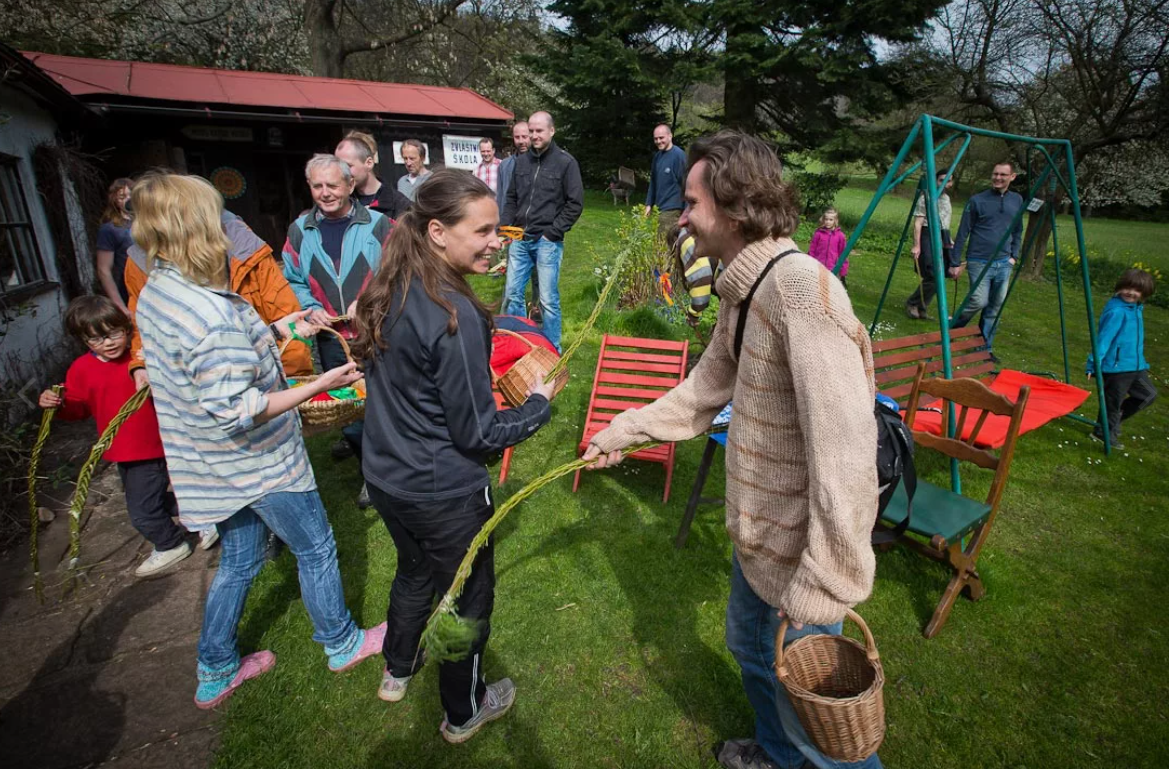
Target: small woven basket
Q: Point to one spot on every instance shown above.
(517, 381)
(835, 685)
(326, 413)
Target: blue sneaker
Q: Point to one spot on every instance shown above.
(369, 643)
(214, 691)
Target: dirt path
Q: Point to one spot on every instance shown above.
(105, 675)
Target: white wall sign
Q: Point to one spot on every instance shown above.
(461, 151)
(398, 154)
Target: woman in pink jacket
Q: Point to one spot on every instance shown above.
(828, 242)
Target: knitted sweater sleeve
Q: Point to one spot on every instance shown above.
(685, 411)
(835, 410)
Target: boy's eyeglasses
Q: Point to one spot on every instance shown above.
(114, 336)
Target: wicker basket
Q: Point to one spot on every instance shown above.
(326, 413)
(835, 685)
(517, 382)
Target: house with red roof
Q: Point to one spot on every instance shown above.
(250, 133)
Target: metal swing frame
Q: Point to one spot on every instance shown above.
(1050, 152)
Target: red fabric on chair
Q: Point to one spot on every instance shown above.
(1049, 399)
(506, 349)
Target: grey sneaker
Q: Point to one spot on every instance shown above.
(743, 754)
(498, 700)
(392, 689)
(363, 500)
(161, 560)
(208, 538)
(342, 449)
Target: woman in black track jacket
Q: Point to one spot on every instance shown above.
(430, 424)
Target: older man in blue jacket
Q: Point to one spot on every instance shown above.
(989, 215)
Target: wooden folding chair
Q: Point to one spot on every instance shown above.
(941, 517)
(632, 372)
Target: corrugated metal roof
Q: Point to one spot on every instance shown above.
(89, 78)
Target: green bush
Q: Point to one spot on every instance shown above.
(817, 191)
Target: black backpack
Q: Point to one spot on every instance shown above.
(894, 439)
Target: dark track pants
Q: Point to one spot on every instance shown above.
(431, 539)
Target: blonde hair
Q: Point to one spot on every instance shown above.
(824, 217)
(178, 219)
(364, 143)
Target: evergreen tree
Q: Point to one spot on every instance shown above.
(810, 71)
(610, 100)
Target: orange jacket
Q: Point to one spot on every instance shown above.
(255, 275)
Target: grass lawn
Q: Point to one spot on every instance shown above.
(615, 639)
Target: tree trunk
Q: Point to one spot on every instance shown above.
(739, 97)
(1041, 221)
(324, 40)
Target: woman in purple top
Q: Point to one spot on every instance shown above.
(828, 242)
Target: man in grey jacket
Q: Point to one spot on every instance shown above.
(545, 198)
(990, 217)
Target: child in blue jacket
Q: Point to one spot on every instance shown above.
(1121, 341)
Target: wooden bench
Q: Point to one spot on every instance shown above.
(895, 360)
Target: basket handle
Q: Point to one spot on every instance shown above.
(520, 337)
(870, 643)
(334, 332)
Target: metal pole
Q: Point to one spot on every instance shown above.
(1075, 193)
(1016, 272)
(893, 266)
(1063, 326)
(931, 214)
(884, 186)
(943, 123)
(909, 171)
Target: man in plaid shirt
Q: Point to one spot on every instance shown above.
(488, 170)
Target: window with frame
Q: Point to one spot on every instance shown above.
(20, 258)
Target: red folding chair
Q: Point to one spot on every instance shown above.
(632, 372)
(505, 463)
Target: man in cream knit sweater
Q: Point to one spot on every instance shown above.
(800, 464)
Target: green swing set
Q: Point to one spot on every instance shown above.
(1044, 158)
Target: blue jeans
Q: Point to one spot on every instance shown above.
(545, 255)
(333, 355)
(751, 628)
(298, 518)
(988, 297)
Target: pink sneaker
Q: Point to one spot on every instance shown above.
(370, 645)
(210, 694)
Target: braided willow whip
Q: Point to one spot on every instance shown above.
(592, 319)
(86, 475)
(34, 464)
(449, 637)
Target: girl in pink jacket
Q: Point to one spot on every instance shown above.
(828, 242)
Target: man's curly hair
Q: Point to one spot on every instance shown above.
(745, 178)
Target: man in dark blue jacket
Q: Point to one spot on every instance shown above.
(989, 216)
(667, 174)
(545, 198)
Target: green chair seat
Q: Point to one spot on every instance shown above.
(936, 511)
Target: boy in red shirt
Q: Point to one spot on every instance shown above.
(98, 384)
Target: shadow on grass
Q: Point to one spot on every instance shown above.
(665, 593)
